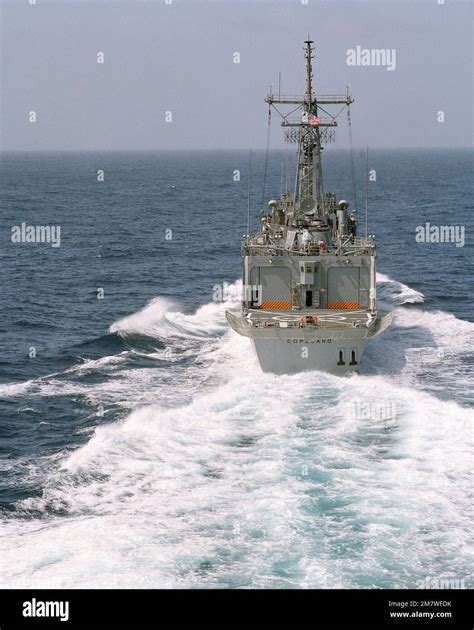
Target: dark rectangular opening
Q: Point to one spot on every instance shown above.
(309, 298)
(353, 358)
(255, 302)
(341, 358)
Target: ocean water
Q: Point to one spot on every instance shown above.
(143, 447)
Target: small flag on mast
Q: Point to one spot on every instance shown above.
(314, 121)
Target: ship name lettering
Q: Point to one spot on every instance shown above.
(308, 340)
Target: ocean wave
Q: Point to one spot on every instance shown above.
(397, 293)
(175, 336)
(212, 458)
(274, 461)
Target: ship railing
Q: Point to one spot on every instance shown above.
(364, 241)
(323, 99)
(363, 246)
(355, 244)
(321, 322)
(325, 121)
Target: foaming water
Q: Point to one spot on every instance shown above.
(326, 493)
(143, 446)
(148, 321)
(394, 292)
(216, 474)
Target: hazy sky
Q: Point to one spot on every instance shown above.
(178, 57)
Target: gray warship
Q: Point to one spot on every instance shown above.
(309, 280)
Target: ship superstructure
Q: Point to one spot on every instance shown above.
(309, 295)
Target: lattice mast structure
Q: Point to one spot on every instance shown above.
(310, 130)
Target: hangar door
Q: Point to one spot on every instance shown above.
(276, 287)
(343, 287)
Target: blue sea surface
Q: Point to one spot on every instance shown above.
(140, 443)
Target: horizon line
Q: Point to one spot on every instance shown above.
(232, 149)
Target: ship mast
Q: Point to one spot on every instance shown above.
(309, 130)
(309, 69)
(310, 190)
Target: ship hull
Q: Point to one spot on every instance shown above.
(289, 350)
(290, 356)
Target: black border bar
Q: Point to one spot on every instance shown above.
(343, 608)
